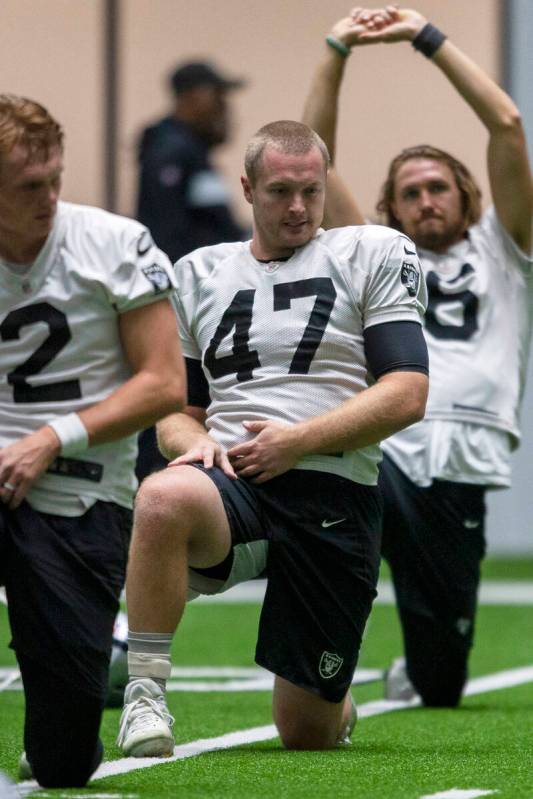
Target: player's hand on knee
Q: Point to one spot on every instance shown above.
(22, 462)
(209, 454)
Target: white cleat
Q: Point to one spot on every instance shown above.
(345, 735)
(145, 724)
(25, 770)
(398, 686)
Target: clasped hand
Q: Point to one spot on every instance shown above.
(372, 25)
(273, 450)
(22, 462)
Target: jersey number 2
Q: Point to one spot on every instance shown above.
(238, 317)
(59, 335)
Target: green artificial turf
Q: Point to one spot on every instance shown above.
(485, 744)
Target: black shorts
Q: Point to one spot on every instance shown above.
(323, 535)
(63, 578)
(434, 541)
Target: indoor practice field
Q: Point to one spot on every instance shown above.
(226, 746)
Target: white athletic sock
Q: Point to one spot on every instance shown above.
(149, 656)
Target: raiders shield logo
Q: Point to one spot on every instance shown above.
(157, 277)
(329, 665)
(409, 275)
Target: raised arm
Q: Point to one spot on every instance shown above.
(507, 159)
(321, 114)
(321, 105)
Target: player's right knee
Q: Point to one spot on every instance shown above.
(156, 499)
(166, 506)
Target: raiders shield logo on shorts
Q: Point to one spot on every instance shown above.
(329, 665)
(409, 276)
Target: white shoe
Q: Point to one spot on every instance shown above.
(145, 724)
(345, 735)
(25, 770)
(398, 686)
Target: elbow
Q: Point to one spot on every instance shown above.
(510, 121)
(415, 402)
(417, 412)
(178, 396)
(171, 396)
(413, 412)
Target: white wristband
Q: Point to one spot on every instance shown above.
(72, 433)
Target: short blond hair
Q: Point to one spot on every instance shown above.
(285, 135)
(28, 124)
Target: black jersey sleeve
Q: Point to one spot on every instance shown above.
(197, 385)
(395, 347)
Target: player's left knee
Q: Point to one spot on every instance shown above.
(447, 692)
(307, 736)
(66, 767)
(442, 687)
(61, 776)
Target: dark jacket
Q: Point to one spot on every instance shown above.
(182, 198)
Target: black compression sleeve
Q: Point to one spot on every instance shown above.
(395, 347)
(197, 386)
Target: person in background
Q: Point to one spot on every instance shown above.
(182, 197)
(479, 272)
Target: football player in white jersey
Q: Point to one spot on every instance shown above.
(304, 349)
(89, 355)
(478, 269)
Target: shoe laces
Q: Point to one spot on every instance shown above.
(140, 713)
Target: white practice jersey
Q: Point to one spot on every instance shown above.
(284, 340)
(60, 344)
(478, 330)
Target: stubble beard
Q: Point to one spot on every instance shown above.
(440, 240)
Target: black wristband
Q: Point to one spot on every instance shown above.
(428, 40)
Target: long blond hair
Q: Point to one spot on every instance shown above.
(468, 188)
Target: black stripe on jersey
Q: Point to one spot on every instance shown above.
(197, 385)
(395, 347)
(73, 467)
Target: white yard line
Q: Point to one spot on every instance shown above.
(492, 592)
(91, 795)
(8, 677)
(262, 680)
(247, 679)
(183, 751)
(459, 793)
(490, 682)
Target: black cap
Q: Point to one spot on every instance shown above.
(201, 73)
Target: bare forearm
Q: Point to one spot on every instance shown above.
(135, 405)
(492, 105)
(179, 433)
(507, 157)
(393, 403)
(321, 107)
